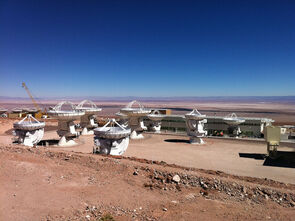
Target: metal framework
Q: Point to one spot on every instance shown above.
(30, 95)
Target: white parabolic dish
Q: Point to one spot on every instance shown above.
(66, 115)
(113, 133)
(16, 110)
(156, 116)
(195, 115)
(26, 125)
(25, 109)
(232, 119)
(3, 110)
(92, 109)
(135, 111)
(32, 110)
(121, 115)
(29, 125)
(88, 110)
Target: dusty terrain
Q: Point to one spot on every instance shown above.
(53, 185)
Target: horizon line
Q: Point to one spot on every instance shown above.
(149, 97)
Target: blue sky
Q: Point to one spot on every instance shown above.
(147, 48)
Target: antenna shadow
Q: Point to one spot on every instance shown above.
(176, 141)
(284, 159)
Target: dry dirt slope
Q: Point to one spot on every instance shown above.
(46, 185)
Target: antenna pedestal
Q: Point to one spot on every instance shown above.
(195, 123)
(29, 138)
(135, 119)
(155, 126)
(66, 126)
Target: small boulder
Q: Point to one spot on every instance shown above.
(176, 178)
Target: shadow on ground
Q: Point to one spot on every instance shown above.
(256, 156)
(49, 142)
(9, 132)
(51, 128)
(284, 159)
(176, 141)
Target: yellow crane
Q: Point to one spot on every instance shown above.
(40, 113)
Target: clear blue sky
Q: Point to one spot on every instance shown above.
(147, 48)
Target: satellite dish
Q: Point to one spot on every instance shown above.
(29, 131)
(139, 111)
(112, 138)
(155, 115)
(195, 115)
(91, 108)
(232, 119)
(67, 115)
(3, 110)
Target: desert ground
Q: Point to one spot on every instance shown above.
(161, 177)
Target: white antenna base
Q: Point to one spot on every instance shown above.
(64, 143)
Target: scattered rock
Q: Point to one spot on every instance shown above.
(87, 217)
(190, 196)
(165, 209)
(176, 178)
(203, 185)
(135, 173)
(204, 192)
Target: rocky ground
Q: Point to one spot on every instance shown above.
(42, 184)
